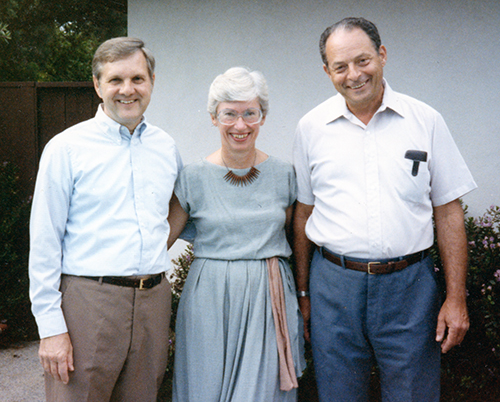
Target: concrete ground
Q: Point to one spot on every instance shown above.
(21, 375)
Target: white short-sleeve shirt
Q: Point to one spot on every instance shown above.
(367, 203)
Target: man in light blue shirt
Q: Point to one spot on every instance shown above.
(98, 240)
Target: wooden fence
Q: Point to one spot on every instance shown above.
(31, 113)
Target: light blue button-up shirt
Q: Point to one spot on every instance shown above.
(100, 209)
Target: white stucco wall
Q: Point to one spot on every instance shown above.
(443, 52)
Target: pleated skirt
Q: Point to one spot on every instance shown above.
(226, 348)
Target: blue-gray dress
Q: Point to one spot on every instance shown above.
(226, 348)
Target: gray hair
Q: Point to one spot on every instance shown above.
(238, 84)
(120, 48)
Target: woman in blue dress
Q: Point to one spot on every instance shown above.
(239, 334)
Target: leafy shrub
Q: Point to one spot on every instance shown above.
(15, 307)
(177, 279)
(471, 372)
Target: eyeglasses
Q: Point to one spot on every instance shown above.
(230, 116)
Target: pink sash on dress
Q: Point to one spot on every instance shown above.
(288, 378)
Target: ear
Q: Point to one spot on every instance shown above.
(327, 71)
(153, 80)
(383, 54)
(96, 86)
(214, 119)
(263, 120)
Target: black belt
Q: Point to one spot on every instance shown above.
(376, 267)
(144, 282)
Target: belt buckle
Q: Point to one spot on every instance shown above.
(370, 268)
(141, 284)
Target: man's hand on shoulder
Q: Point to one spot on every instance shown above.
(453, 324)
(56, 356)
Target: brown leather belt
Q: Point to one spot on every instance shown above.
(376, 267)
(144, 282)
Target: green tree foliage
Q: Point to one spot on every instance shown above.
(47, 40)
(4, 33)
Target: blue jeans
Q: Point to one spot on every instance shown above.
(359, 319)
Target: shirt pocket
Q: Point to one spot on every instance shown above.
(414, 183)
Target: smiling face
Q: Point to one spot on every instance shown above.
(240, 136)
(125, 88)
(355, 68)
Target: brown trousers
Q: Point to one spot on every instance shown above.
(120, 341)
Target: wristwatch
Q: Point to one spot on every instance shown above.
(302, 293)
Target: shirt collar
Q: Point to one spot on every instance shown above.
(335, 108)
(390, 101)
(338, 108)
(114, 130)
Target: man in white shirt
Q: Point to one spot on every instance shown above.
(98, 236)
(373, 167)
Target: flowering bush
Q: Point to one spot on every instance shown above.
(484, 272)
(471, 372)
